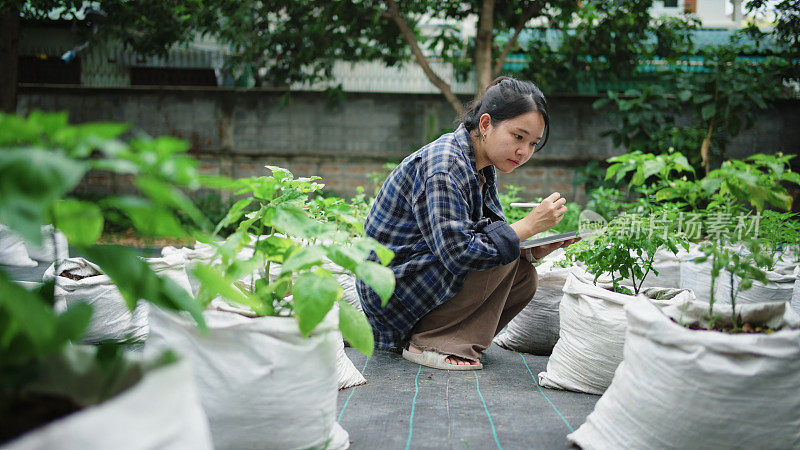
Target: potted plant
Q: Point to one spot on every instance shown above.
(681, 356)
(52, 392)
(592, 316)
(275, 316)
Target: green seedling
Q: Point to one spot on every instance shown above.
(301, 235)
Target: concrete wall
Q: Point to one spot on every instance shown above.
(237, 132)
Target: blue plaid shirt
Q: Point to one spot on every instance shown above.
(431, 213)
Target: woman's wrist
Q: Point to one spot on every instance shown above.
(524, 230)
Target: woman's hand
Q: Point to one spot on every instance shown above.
(544, 250)
(545, 216)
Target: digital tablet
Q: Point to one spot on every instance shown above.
(528, 243)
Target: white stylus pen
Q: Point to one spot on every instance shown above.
(524, 205)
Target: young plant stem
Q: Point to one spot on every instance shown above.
(733, 306)
(255, 245)
(649, 265)
(713, 282)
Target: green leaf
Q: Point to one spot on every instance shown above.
(303, 259)
(792, 177)
(355, 328)
(292, 221)
(81, 222)
(31, 181)
(136, 280)
(213, 283)
(72, 323)
(161, 193)
(34, 318)
(379, 278)
(314, 295)
(147, 218)
(347, 257)
(274, 248)
(234, 213)
(708, 111)
(384, 254)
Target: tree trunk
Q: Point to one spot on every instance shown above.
(411, 40)
(9, 50)
(483, 47)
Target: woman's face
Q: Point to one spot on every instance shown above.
(509, 144)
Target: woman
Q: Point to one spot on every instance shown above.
(460, 276)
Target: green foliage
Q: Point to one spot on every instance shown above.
(607, 202)
(758, 180)
(722, 101)
(744, 267)
(642, 166)
(780, 235)
(603, 42)
(627, 249)
(302, 234)
(42, 158)
(508, 197)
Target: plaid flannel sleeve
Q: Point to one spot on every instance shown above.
(443, 215)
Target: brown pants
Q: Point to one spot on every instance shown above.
(465, 325)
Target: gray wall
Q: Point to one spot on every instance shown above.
(237, 132)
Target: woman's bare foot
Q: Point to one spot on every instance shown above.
(455, 360)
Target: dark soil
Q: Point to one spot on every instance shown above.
(131, 238)
(71, 276)
(746, 328)
(31, 411)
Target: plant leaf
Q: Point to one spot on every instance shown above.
(136, 280)
(81, 222)
(314, 295)
(379, 278)
(355, 328)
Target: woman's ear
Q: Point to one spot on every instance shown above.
(484, 122)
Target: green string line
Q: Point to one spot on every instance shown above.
(413, 406)
(491, 422)
(545, 397)
(353, 391)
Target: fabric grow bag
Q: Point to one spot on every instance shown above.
(111, 318)
(796, 291)
(589, 348)
(262, 384)
(697, 278)
(535, 329)
(48, 252)
(172, 266)
(161, 411)
(13, 251)
(679, 388)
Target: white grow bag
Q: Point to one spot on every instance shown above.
(592, 335)
(261, 383)
(796, 292)
(12, 250)
(173, 267)
(679, 388)
(48, 252)
(111, 318)
(535, 329)
(697, 278)
(162, 411)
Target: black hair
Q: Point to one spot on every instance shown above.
(505, 99)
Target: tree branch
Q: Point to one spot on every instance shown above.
(408, 35)
(524, 18)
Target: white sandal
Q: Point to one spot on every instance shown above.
(436, 360)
